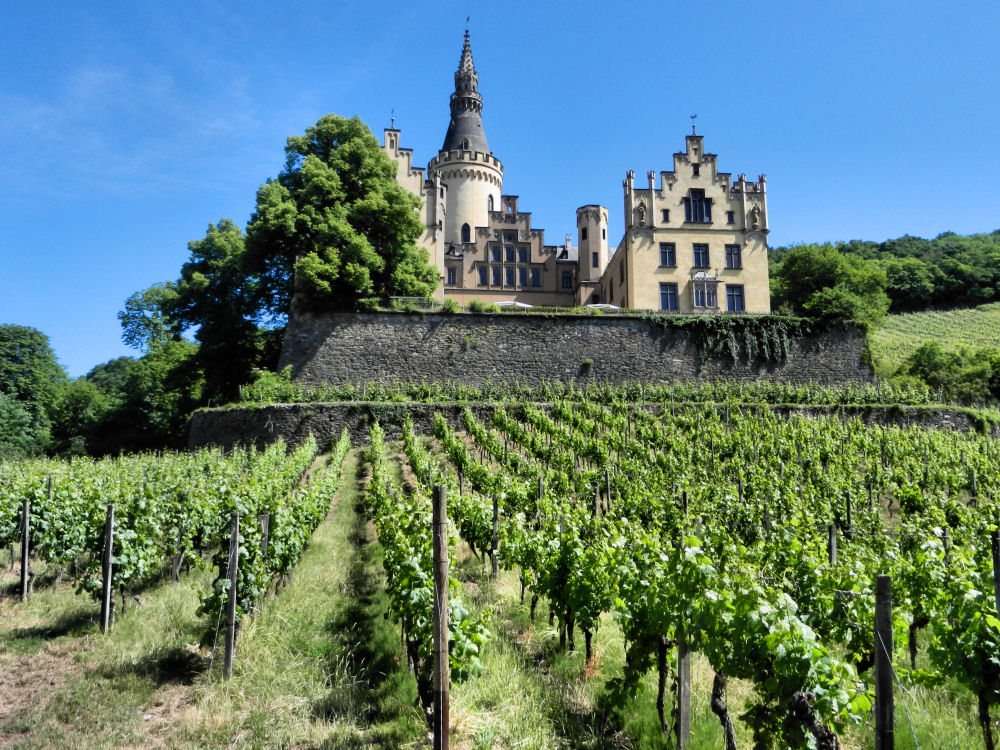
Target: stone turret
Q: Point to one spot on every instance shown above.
(465, 165)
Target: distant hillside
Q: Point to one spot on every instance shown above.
(901, 334)
(950, 271)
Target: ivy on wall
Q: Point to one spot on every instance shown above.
(746, 337)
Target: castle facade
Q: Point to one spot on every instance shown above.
(695, 244)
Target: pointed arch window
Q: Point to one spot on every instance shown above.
(489, 203)
(466, 233)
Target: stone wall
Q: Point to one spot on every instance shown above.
(229, 427)
(531, 348)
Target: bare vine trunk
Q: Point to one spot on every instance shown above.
(984, 720)
(720, 709)
(802, 709)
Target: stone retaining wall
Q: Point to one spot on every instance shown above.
(532, 348)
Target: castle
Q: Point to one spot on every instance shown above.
(695, 244)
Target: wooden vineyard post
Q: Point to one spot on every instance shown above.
(597, 500)
(607, 487)
(107, 601)
(233, 574)
(831, 544)
(25, 547)
(850, 521)
(683, 725)
(496, 539)
(995, 544)
(884, 701)
(442, 668)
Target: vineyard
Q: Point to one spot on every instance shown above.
(688, 575)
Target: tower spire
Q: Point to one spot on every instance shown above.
(465, 130)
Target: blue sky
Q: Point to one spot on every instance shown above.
(125, 128)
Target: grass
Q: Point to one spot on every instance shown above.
(900, 335)
(318, 666)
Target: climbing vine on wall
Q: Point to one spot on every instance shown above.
(741, 337)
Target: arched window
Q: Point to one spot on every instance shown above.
(489, 203)
(466, 233)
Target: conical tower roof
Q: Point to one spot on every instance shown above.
(465, 131)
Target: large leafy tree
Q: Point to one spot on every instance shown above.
(29, 374)
(820, 282)
(335, 227)
(215, 297)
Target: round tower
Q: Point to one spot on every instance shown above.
(465, 164)
(592, 239)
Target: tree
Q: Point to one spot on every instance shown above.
(821, 282)
(77, 408)
(146, 320)
(17, 438)
(335, 227)
(29, 374)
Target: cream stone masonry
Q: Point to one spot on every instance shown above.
(695, 244)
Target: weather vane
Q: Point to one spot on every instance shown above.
(693, 117)
(392, 119)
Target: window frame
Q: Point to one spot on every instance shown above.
(734, 257)
(700, 249)
(697, 207)
(668, 255)
(736, 297)
(668, 297)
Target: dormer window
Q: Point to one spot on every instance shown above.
(465, 145)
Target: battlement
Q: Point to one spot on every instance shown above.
(445, 158)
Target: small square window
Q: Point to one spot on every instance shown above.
(665, 215)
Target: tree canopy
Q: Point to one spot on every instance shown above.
(818, 281)
(335, 227)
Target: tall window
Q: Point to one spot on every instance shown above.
(734, 257)
(700, 256)
(583, 233)
(668, 255)
(695, 170)
(489, 203)
(567, 279)
(697, 208)
(495, 252)
(522, 277)
(522, 255)
(510, 254)
(668, 296)
(482, 276)
(496, 276)
(734, 298)
(704, 293)
(665, 215)
(536, 277)
(466, 233)
(452, 276)
(730, 217)
(509, 275)
(595, 260)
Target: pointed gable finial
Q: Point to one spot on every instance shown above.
(466, 64)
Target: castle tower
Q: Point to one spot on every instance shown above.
(465, 164)
(592, 239)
